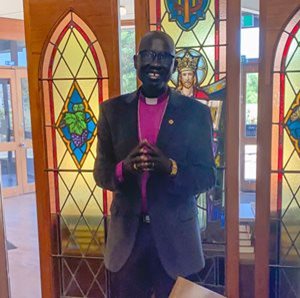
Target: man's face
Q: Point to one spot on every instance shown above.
(187, 78)
(155, 63)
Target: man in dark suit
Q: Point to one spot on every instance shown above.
(155, 154)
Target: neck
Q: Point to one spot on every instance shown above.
(187, 91)
(151, 93)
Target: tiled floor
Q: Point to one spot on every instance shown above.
(21, 231)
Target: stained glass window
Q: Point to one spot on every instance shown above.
(75, 81)
(285, 195)
(198, 29)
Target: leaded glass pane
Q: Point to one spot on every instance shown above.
(200, 40)
(285, 202)
(72, 96)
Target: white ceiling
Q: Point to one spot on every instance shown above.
(14, 8)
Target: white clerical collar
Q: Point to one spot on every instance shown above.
(151, 101)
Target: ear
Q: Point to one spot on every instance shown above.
(175, 66)
(135, 61)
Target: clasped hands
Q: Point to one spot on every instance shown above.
(146, 157)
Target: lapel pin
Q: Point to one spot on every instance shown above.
(171, 121)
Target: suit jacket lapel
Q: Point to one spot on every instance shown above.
(129, 123)
(170, 120)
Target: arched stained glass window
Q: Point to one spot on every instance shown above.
(198, 29)
(74, 79)
(285, 195)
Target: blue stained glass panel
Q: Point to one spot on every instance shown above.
(77, 125)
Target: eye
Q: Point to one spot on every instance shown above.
(161, 56)
(146, 55)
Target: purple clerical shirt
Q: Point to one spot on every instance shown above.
(150, 114)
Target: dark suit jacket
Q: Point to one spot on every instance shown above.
(171, 200)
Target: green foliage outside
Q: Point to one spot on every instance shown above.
(251, 98)
(252, 88)
(127, 51)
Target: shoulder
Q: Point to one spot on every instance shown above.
(191, 104)
(117, 101)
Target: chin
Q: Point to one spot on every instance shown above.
(159, 84)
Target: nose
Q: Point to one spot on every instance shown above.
(155, 61)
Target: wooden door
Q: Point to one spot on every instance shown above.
(73, 64)
(277, 245)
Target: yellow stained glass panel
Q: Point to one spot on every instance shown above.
(87, 87)
(83, 44)
(92, 61)
(94, 101)
(286, 193)
(63, 87)
(60, 148)
(73, 54)
(171, 28)
(90, 160)
(289, 95)
(81, 191)
(86, 70)
(294, 163)
(65, 182)
(66, 161)
(187, 39)
(58, 102)
(291, 51)
(63, 42)
(62, 71)
(288, 147)
(294, 63)
(204, 28)
(56, 61)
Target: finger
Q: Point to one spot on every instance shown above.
(152, 148)
(139, 159)
(147, 166)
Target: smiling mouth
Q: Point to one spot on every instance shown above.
(153, 75)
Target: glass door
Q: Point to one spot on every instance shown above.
(16, 157)
(249, 126)
(25, 144)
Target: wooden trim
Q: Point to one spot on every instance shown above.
(4, 279)
(264, 128)
(11, 29)
(127, 23)
(141, 10)
(232, 148)
(41, 179)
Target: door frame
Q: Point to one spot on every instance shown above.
(9, 73)
(4, 273)
(244, 140)
(25, 143)
(19, 144)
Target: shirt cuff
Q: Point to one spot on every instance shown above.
(119, 172)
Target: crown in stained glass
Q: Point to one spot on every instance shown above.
(77, 125)
(292, 123)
